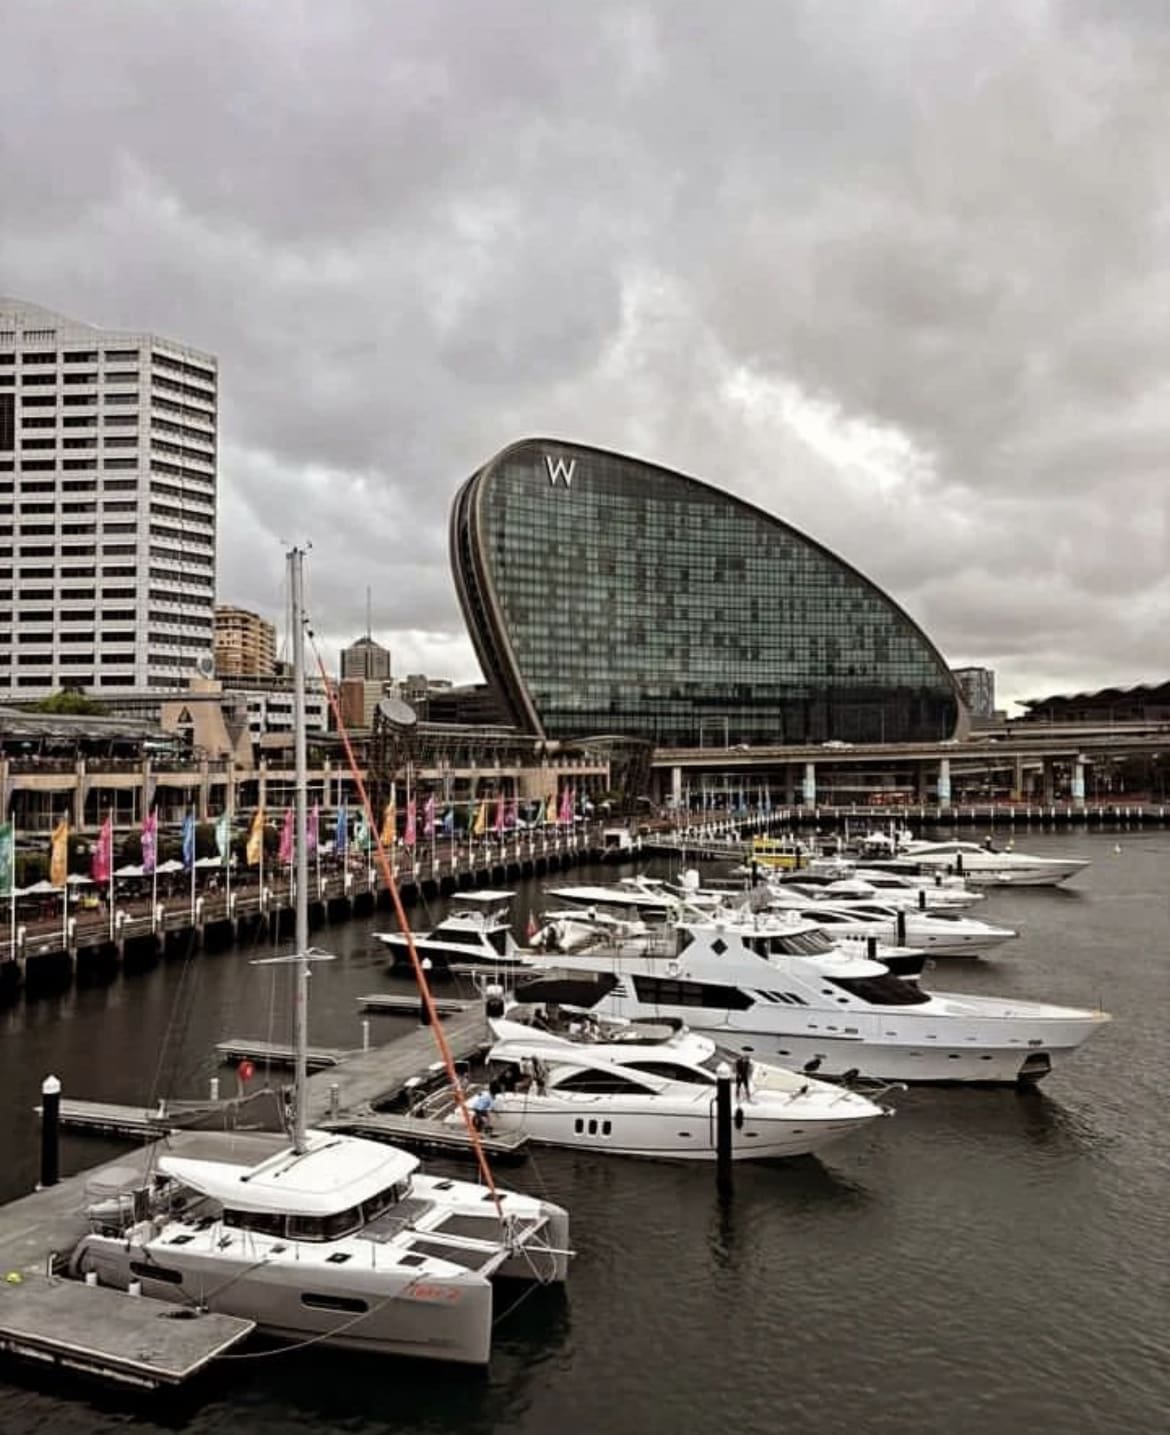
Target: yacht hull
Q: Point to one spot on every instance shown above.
(448, 1318)
(678, 1136)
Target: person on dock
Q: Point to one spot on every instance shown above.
(482, 1106)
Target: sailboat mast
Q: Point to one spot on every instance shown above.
(296, 560)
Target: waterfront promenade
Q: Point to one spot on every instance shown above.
(53, 933)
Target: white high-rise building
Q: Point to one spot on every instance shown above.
(107, 507)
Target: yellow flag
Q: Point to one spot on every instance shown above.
(480, 826)
(255, 839)
(389, 825)
(59, 853)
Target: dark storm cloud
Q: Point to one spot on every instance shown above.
(893, 271)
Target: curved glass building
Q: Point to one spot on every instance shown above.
(608, 595)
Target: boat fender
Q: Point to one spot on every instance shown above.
(739, 1118)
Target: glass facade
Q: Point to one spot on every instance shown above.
(607, 595)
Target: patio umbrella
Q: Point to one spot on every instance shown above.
(209, 862)
(130, 870)
(42, 888)
(172, 866)
(75, 879)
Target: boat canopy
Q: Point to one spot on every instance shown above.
(335, 1174)
(487, 898)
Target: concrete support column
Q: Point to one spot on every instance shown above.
(1049, 783)
(79, 797)
(922, 783)
(676, 787)
(204, 791)
(262, 786)
(1078, 783)
(809, 793)
(944, 782)
(1017, 779)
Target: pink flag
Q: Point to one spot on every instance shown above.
(429, 816)
(563, 811)
(500, 813)
(102, 862)
(410, 836)
(285, 854)
(311, 831)
(150, 843)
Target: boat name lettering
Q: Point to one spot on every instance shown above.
(435, 1293)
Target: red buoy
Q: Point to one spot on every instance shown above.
(246, 1070)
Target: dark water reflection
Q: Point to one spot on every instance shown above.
(986, 1259)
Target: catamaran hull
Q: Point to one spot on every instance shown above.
(448, 1319)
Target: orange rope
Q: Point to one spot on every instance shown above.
(419, 975)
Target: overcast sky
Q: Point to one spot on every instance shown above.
(896, 270)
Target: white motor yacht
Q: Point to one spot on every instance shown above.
(937, 933)
(830, 1012)
(478, 929)
(948, 893)
(635, 896)
(649, 1089)
(983, 866)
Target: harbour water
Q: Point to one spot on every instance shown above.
(987, 1260)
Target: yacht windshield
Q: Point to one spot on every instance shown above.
(886, 990)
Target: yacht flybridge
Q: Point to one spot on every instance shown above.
(649, 1090)
(333, 1239)
(829, 1012)
(938, 933)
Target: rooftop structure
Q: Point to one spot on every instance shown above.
(608, 595)
(366, 659)
(108, 478)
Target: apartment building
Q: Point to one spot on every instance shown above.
(245, 644)
(107, 507)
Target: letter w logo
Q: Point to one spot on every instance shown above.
(558, 469)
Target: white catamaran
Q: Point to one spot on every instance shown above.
(333, 1239)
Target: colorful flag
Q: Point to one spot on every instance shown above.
(313, 829)
(341, 834)
(223, 838)
(429, 816)
(449, 822)
(254, 852)
(389, 825)
(101, 862)
(566, 813)
(189, 841)
(479, 826)
(500, 813)
(59, 853)
(285, 854)
(150, 843)
(361, 836)
(7, 859)
(410, 836)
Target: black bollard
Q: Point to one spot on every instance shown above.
(959, 863)
(871, 948)
(922, 899)
(723, 1127)
(424, 1012)
(50, 1122)
(494, 1000)
(901, 927)
(755, 873)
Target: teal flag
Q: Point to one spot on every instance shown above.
(223, 837)
(362, 837)
(7, 859)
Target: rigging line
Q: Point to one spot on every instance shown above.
(420, 977)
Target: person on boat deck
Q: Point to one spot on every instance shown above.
(482, 1106)
(743, 1077)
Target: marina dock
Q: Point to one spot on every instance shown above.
(95, 1330)
(275, 1053)
(398, 1005)
(422, 1134)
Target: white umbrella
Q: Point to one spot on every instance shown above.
(209, 862)
(172, 866)
(75, 879)
(130, 870)
(38, 889)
